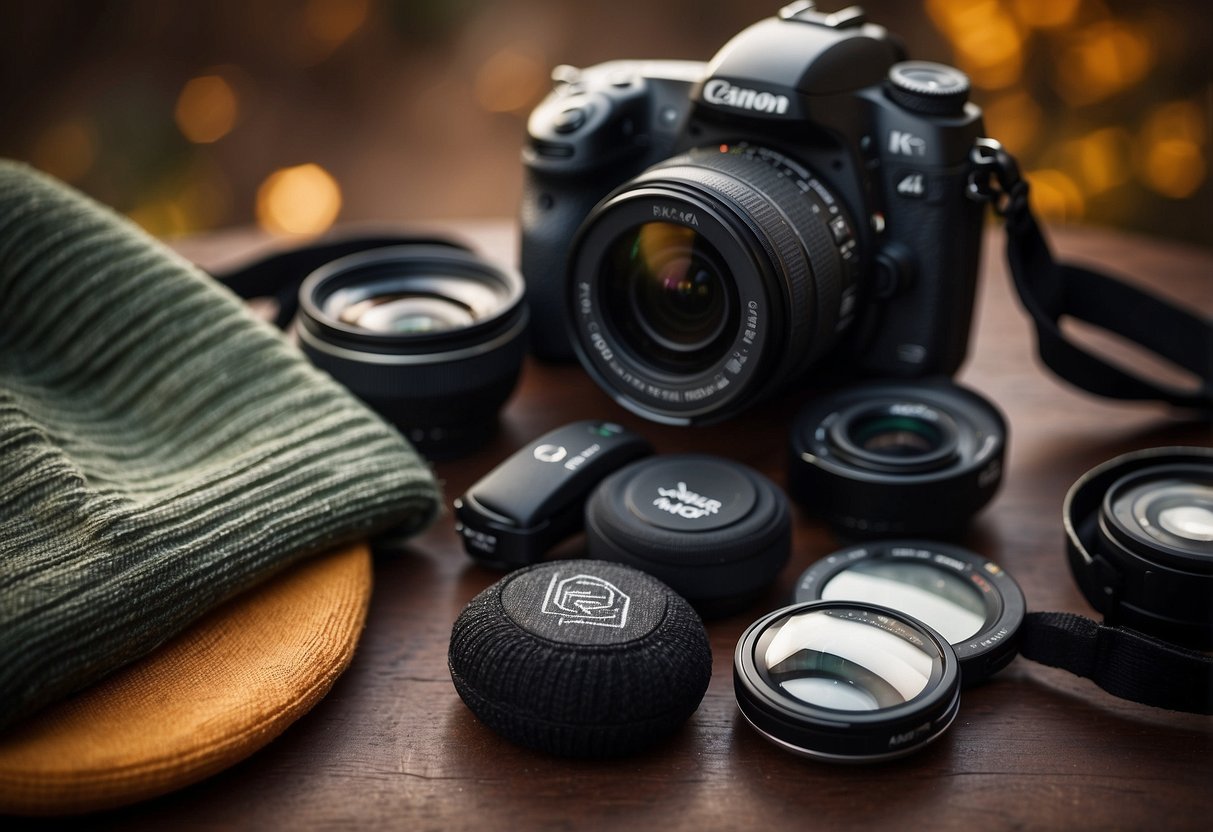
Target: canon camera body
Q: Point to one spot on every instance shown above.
(701, 235)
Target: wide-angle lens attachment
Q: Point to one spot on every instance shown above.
(846, 681)
(432, 337)
(709, 282)
(897, 459)
(966, 598)
(1140, 542)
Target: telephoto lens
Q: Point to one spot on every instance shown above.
(432, 337)
(972, 602)
(897, 459)
(845, 681)
(1140, 542)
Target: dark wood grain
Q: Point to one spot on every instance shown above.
(393, 745)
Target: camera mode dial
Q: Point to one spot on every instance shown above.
(929, 88)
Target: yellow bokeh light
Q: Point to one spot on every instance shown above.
(1014, 119)
(1174, 168)
(1101, 60)
(66, 149)
(1045, 14)
(511, 81)
(988, 42)
(325, 25)
(206, 109)
(1102, 159)
(1055, 196)
(303, 199)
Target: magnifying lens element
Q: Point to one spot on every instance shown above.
(969, 600)
(845, 681)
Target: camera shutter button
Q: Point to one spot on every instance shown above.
(929, 88)
(569, 120)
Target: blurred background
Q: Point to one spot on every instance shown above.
(296, 114)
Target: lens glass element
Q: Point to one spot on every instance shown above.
(939, 598)
(667, 291)
(1172, 512)
(889, 434)
(846, 659)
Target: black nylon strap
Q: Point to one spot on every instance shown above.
(1123, 662)
(1050, 291)
(279, 275)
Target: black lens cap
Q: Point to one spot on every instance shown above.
(969, 600)
(716, 531)
(580, 658)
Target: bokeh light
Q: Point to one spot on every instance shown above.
(1172, 160)
(511, 80)
(207, 109)
(1101, 60)
(304, 199)
(327, 24)
(1055, 196)
(1015, 118)
(1101, 159)
(988, 42)
(1045, 14)
(66, 149)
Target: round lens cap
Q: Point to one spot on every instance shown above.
(580, 658)
(716, 531)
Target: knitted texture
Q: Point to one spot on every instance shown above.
(160, 449)
(208, 698)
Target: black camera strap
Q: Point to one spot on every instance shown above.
(279, 275)
(1123, 662)
(1051, 291)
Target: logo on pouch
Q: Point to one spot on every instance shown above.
(718, 91)
(685, 503)
(586, 599)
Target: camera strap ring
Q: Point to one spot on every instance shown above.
(1051, 291)
(1124, 662)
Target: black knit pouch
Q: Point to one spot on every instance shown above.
(160, 449)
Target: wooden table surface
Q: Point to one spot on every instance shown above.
(393, 745)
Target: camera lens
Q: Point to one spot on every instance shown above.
(432, 337)
(709, 282)
(967, 599)
(841, 680)
(1140, 531)
(887, 459)
(671, 301)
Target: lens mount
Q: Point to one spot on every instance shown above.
(897, 459)
(710, 281)
(845, 681)
(432, 337)
(1138, 538)
(967, 599)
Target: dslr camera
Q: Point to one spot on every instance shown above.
(704, 235)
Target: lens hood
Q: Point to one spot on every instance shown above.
(897, 459)
(1140, 542)
(432, 337)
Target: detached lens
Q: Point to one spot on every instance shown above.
(429, 336)
(969, 600)
(1140, 531)
(845, 681)
(886, 460)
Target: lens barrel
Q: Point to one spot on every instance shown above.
(431, 337)
(897, 459)
(846, 682)
(709, 282)
(1140, 542)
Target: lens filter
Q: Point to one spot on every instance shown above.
(967, 599)
(846, 681)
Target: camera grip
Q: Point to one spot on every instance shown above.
(553, 208)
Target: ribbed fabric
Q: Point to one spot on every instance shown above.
(212, 695)
(160, 449)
